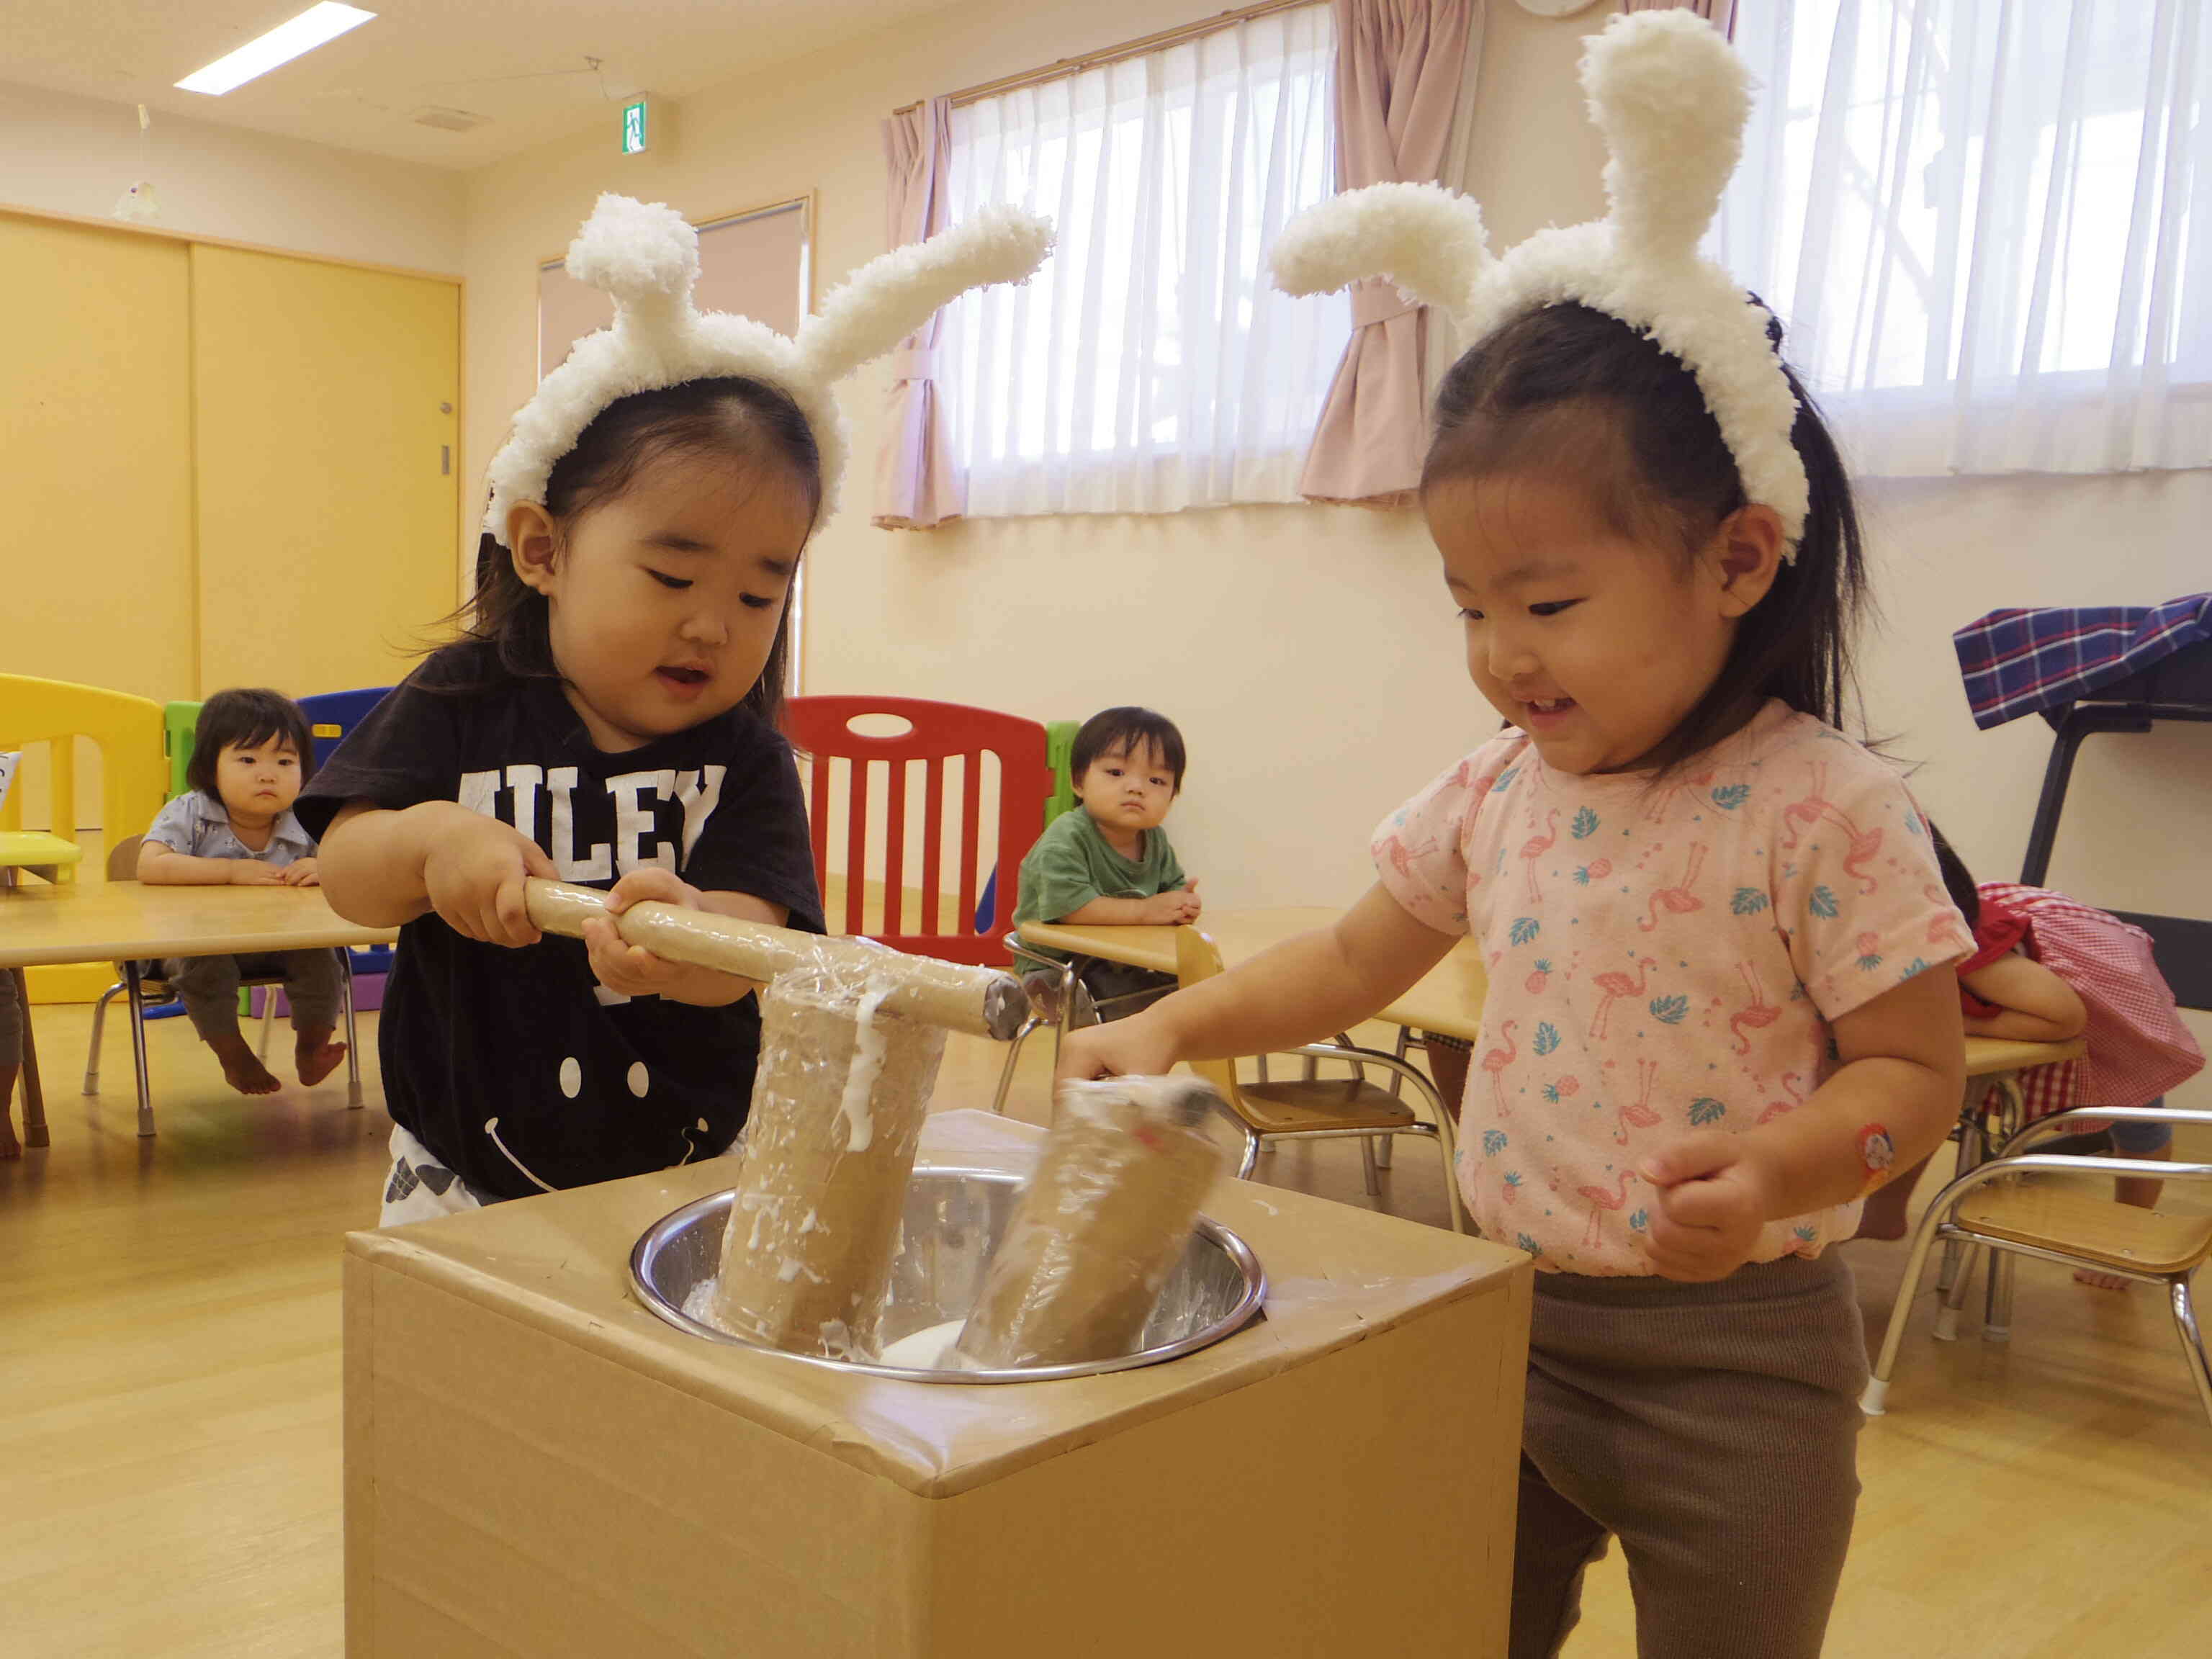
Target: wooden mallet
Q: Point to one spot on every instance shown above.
(980, 1001)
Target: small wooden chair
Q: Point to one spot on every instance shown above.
(143, 987)
(1316, 1108)
(1988, 1205)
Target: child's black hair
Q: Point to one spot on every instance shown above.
(1958, 880)
(747, 422)
(1569, 389)
(248, 716)
(1128, 731)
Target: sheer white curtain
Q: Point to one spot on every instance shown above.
(1150, 365)
(1988, 225)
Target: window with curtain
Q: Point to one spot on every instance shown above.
(1987, 226)
(1150, 365)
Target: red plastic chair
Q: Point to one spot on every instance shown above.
(822, 728)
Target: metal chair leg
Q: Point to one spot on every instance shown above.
(1367, 1162)
(1251, 1155)
(268, 1019)
(1013, 1060)
(1453, 1197)
(1996, 1324)
(1386, 1145)
(99, 1025)
(1955, 1298)
(138, 1046)
(1877, 1389)
(2192, 1341)
(353, 1042)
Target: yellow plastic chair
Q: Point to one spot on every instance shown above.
(1316, 1108)
(127, 732)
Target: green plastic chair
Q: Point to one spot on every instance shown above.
(180, 722)
(1058, 752)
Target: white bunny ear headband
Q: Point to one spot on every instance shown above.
(1671, 97)
(647, 257)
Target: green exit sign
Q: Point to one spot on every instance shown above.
(636, 133)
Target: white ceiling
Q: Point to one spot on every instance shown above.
(499, 59)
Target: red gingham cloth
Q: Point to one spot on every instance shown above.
(2138, 1046)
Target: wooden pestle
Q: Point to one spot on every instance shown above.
(1100, 1227)
(980, 1001)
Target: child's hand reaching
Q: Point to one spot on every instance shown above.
(301, 874)
(1136, 1047)
(1713, 1203)
(473, 874)
(253, 872)
(633, 971)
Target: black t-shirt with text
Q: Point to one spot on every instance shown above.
(516, 1067)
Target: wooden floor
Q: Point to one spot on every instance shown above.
(169, 1429)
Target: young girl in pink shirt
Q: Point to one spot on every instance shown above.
(1720, 1010)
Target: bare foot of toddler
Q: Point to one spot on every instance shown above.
(2101, 1281)
(315, 1055)
(242, 1068)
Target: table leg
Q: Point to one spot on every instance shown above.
(34, 1096)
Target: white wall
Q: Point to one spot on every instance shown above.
(77, 155)
(1310, 652)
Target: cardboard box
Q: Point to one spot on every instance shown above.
(536, 1465)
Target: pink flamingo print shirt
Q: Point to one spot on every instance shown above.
(1661, 960)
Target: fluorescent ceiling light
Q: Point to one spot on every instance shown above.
(310, 29)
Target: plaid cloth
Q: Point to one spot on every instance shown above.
(2138, 1046)
(2022, 662)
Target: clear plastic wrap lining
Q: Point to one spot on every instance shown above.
(1100, 1227)
(839, 1097)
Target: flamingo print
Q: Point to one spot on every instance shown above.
(1616, 985)
(1600, 1201)
(1401, 856)
(1758, 1014)
(1495, 1063)
(1639, 1114)
(1862, 849)
(1673, 792)
(1802, 815)
(1816, 808)
(1678, 901)
(1536, 846)
(1791, 1085)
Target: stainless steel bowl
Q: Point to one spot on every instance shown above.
(953, 1219)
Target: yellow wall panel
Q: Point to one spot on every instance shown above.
(324, 399)
(96, 457)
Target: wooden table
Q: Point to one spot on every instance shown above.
(1448, 999)
(119, 921)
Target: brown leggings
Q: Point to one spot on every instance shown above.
(1713, 1428)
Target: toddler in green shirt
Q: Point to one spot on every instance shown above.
(1109, 863)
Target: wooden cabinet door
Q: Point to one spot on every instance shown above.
(324, 431)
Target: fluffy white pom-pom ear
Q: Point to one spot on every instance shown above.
(1671, 98)
(1427, 240)
(896, 293)
(634, 249)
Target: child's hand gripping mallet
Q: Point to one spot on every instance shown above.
(980, 1001)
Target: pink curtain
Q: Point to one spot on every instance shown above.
(1399, 67)
(1720, 13)
(917, 486)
